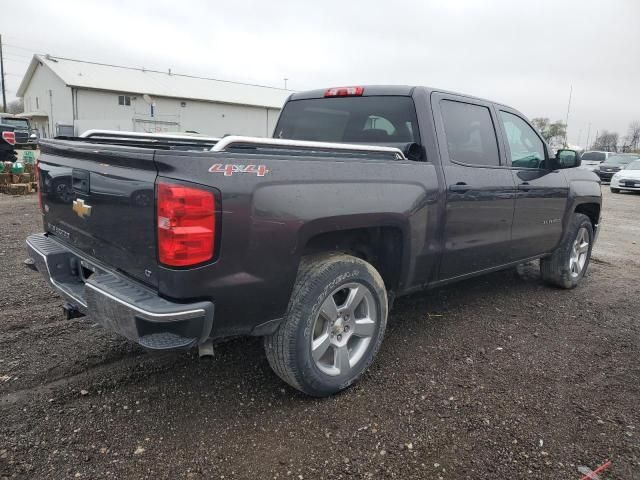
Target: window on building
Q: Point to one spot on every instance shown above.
(471, 137)
(124, 100)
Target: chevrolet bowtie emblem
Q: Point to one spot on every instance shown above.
(81, 209)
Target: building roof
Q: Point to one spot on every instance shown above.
(99, 76)
(32, 114)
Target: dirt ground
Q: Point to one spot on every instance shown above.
(498, 377)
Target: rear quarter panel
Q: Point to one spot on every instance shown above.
(268, 220)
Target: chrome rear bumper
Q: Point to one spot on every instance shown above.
(118, 303)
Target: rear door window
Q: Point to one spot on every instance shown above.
(385, 120)
(470, 133)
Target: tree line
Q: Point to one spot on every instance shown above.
(555, 133)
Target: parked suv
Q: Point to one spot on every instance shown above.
(614, 164)
(592, 159)
(306, 239)
(7, 144)
(25, 137)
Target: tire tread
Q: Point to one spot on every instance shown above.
(280, 347)
(554, 269)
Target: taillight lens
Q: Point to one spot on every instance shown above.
(186, 225)
(9, 137)
(344, 92)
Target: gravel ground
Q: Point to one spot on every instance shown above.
(496, 377)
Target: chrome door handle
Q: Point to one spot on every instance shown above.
(460, 187)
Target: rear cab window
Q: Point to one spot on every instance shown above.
(374, 120)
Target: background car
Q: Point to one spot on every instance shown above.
(614, 164)
(23, 131)
(627, 179)
(592, 159)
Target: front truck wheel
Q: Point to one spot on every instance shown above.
(568, 264)
(333, 327)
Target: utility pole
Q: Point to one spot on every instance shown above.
(566, 122)
(285, 83)
(4, 94)
(588, 137)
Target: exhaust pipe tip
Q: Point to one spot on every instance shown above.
(30, 264)
(205, 349)
(71, 311)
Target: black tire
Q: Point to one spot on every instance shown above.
(615, 190)
(555, 270)
(288, 350)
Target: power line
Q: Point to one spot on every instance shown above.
(11, 54)
(4, 94)
(26, 49)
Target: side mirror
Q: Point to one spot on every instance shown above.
(567, 159)
(412, 151)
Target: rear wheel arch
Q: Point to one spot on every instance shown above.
(384, 247)
(303, 352)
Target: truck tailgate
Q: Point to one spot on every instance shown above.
(100, 200)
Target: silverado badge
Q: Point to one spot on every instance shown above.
(81, 209)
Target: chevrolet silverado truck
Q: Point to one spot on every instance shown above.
(25, 137)
(7, 144)
(362, 195)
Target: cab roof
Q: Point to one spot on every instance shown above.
(388, 90)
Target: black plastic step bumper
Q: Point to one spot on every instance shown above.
(117, 302)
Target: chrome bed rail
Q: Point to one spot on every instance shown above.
(284, 144)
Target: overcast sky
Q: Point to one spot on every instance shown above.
(526, 54)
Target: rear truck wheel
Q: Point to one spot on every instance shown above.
(568, 264)
(333, 327)
(615, 190)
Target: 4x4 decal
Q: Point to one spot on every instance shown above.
(229, 169)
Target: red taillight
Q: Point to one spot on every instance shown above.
(344, 92)
(186, 225)
(9, 137)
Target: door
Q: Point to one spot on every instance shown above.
(542, 192)
(480, 190)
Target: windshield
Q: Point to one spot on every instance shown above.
(594, 156)
(370, 120)
(15, 122)
(621, 159)
(635, 165)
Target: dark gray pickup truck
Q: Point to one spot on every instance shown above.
(305, 239)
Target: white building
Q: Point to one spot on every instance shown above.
(67, 97)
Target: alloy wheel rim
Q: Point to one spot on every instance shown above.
(343, 329)
(579, 252)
